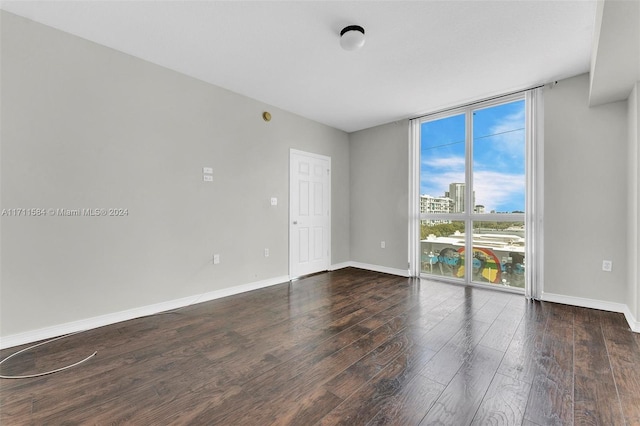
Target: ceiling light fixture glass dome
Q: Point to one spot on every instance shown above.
(352, 37)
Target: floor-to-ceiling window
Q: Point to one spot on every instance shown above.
(474, 181)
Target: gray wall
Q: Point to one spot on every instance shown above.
(379, 195)
(633, 221)
(84, 126)
(585, 193)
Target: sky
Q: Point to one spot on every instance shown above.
(498, 156)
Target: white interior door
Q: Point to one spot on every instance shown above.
(309, 213)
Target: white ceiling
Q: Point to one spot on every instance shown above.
(420, 56)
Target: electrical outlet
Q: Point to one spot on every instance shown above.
(207, 178)
(216, 259)
(266, 252)
(383, 244)
(274, 201)
(607, 265)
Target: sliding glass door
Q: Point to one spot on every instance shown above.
(473, 192)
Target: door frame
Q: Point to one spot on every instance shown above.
(327, 258)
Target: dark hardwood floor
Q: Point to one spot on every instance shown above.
(347, 347)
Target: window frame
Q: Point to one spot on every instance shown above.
(532, 218)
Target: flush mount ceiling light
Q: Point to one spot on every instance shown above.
(352, 37)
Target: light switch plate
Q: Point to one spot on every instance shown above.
(274, 201)
(207, 170)
(207, 178)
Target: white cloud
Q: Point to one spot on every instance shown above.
(435, 184)
(508, 141)
(438, 173)
(496, 190)
(455, 163)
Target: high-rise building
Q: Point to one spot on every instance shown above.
(456, 193)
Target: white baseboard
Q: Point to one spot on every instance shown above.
(108, 319)
(594, 304)
(340, 266)
(633, 322)
(370, 267)
(218, 294)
